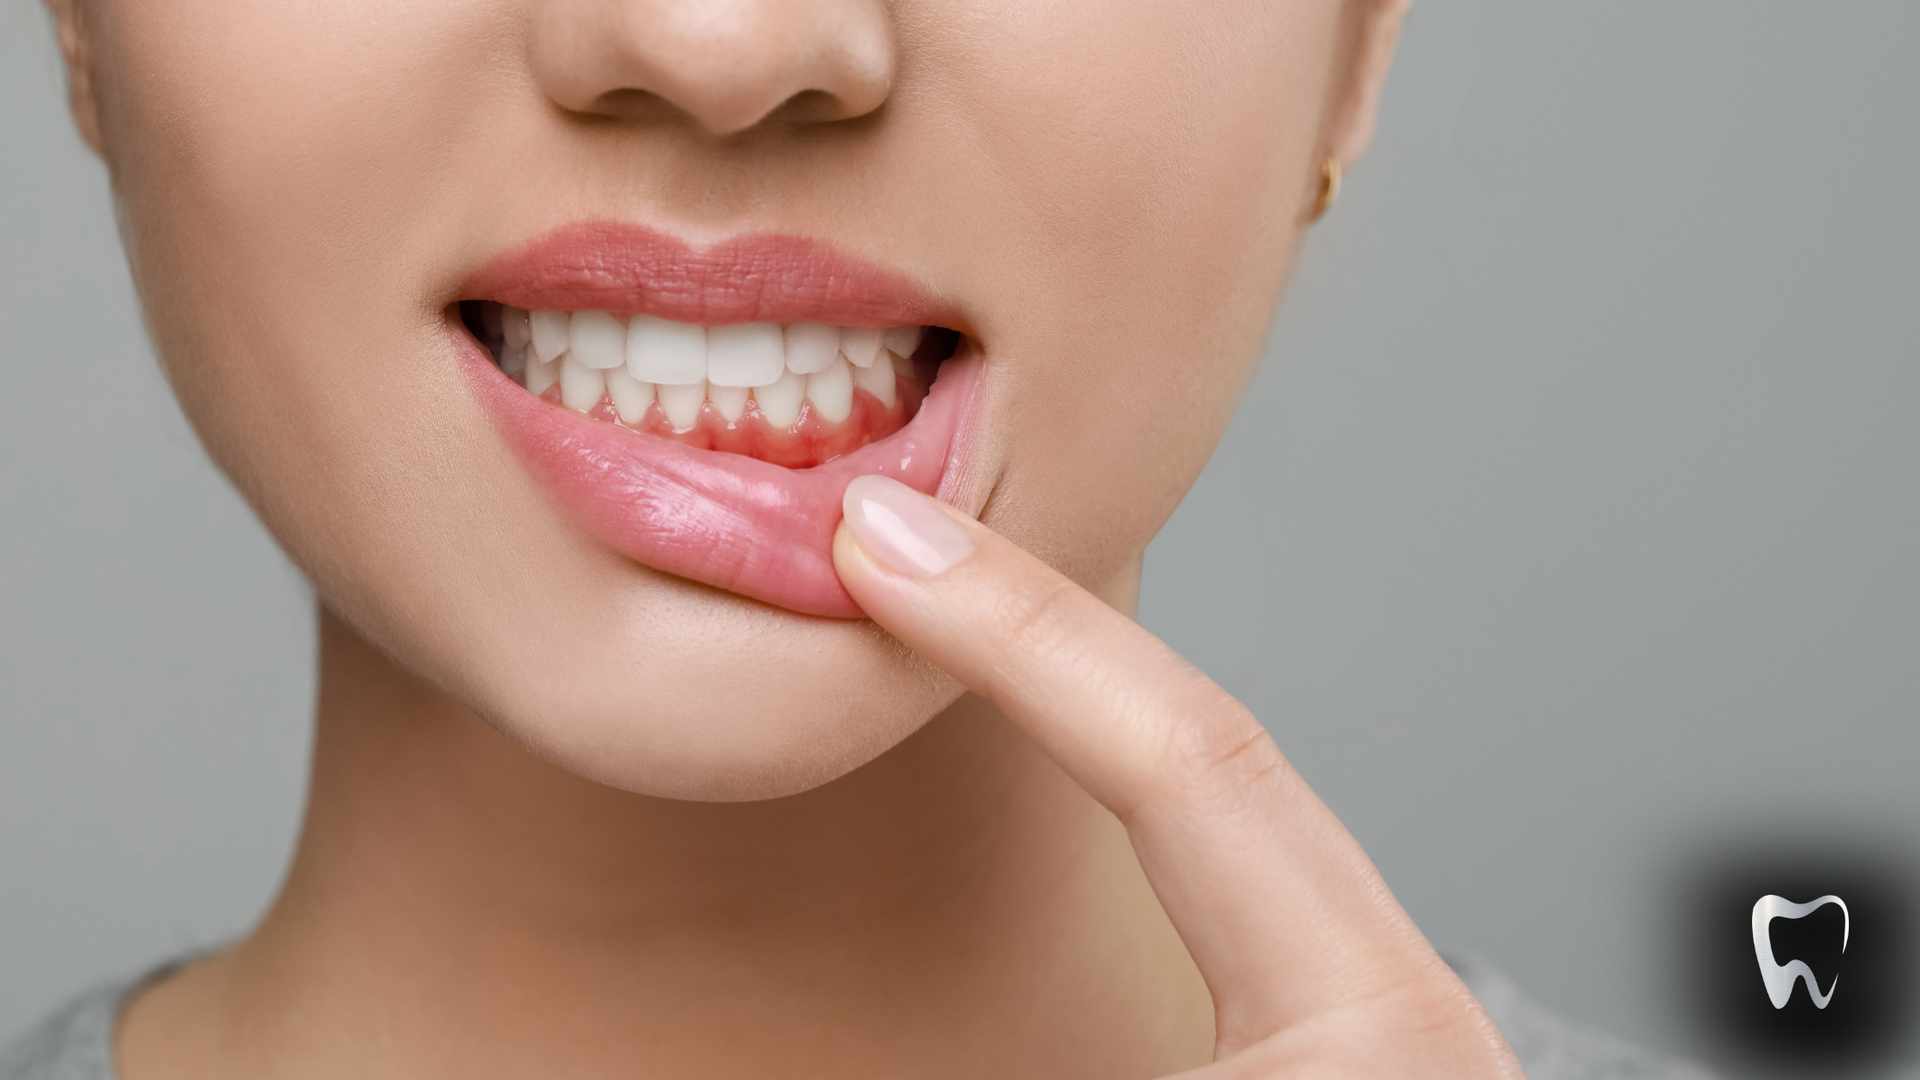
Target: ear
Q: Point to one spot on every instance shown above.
(76, 45)
(1373, 29)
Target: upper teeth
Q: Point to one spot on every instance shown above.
(825, 363)
(663, 351)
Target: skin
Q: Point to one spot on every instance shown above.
(572, 816)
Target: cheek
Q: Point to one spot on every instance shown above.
(1141, 166)
(270, 159)
(278, 164)
(265, 113)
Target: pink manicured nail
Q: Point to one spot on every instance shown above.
(902, 528)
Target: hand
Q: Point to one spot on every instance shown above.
(1314, 968)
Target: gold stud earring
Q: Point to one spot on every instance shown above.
(1329, 188)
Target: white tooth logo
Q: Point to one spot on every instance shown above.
(1779, 978)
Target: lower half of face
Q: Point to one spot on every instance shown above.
(545, 339)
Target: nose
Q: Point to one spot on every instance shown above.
(726, 64)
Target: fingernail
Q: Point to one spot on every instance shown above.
(902, 528)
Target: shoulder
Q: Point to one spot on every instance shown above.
(1550, 1048)
(75, 1043)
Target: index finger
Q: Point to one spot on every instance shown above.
(1282, 911)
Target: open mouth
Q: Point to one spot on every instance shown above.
(702, 408)
(795, 395)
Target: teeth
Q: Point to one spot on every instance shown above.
(877, 380)
(811, 347)
(831, 392)
(630, 396)
(513, 360)
(598, 340)
(580, 386)
(745, 354)
(635, 362)
(861, 346)
(901, 340)
(681, 402)
(728, 401)
(780, 403)
(662, 351)
(541, 374)
(549, 329)
(515, 325)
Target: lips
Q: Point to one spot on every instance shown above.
(608, 266)
(728, 520)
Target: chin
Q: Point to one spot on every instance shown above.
(638, 679)
(690, 693)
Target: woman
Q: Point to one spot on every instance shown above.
(599, 362)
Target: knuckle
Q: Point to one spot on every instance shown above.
(1033, 618)
(1036, 626)
(1220, 755)
(1208, 752)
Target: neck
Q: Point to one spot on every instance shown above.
(456, 905)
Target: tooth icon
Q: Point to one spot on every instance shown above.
(1778, 977)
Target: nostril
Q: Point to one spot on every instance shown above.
(725, 65)
(644, 106)
(814, 107)
(636, 105)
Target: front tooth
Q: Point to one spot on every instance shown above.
(667, 352)
(549, 329)
(902, 340)
(515, 327)
(728, 401)
(745, 354)
(876, 380)
(630, 396)
(681, 402)
(580, 386)
(831, 392)
(861, 346)
(541, 374)
(597, 340)
(904, 366)
(780, 403)
(811, 347)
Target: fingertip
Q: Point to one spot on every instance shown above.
(899, 528)
(870, 582)
(849, 559)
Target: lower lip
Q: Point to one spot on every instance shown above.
(730, 521)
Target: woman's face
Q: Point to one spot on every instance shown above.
(339, 213)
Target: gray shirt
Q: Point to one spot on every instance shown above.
(76, 1043)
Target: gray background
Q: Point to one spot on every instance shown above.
(1568, 535)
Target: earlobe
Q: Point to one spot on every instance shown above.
(70, 21)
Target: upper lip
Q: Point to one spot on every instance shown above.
(752, 277)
